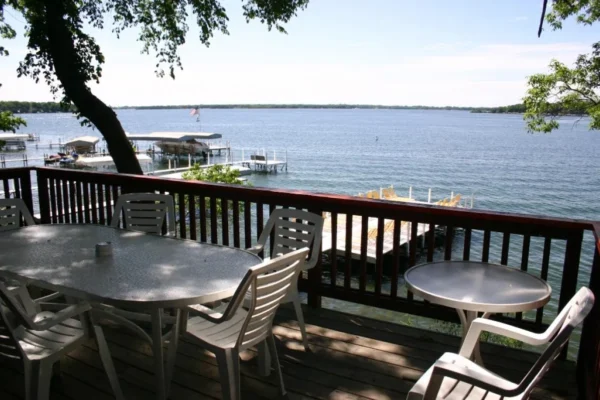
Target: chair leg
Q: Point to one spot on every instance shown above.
(300, 318)
(43, 378)
(271, 343)
(264, 359)
(229, 371)
(107, 363)
(30, 382)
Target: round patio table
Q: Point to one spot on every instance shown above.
(145, 272)
(476, 287)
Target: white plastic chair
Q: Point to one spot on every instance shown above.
(11, 213)
(40, 339)
(456, 376)
(293, 229)
(145, 212)
(236, 329)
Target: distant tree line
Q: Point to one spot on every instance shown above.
(324, 106)
(556, 109)
(20, 107)
(30, 107)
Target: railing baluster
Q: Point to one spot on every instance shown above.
(43, 199)
(17, 188)
(236, 223)
(396, 258)
(101, 206)
(505, 248)
(485, 254)
(213, 220)
(247, 224)
(544, 275)
(348, 255)
(430, 242)
(524, 262)
(568, 286)
(272, 235)
(53, 200)
(379, 255)
(203, 229)
(79, 198)
(181, 207)
(364, 238)
(86, 202)
(6, 188)
(412, 247)
(448, 243)
(259, 224)
(59, 202)
(72, 201)
(192, 213)
(333, 273)
(26, 194)
(94, 200)
(225, 221)
(65, 199)
(467, 245)
(110, 195)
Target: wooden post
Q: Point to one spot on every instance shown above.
(43, 197)
(588, 359)
(314, 277)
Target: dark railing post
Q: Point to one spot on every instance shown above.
(588, 359)
(315, 277)
(568, 286)
(26, 193)
(43, 198)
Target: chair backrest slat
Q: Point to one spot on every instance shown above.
(12, 212)
(559, 332)
(145, 212)
(268, 284)
(294, 229)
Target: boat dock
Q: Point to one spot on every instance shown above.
(388, 231)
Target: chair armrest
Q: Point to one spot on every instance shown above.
(60, 316)
(443, 369)
(214, 316)
(47, 298)
(486, 325)
(255, 249)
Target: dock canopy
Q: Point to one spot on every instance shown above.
(82, 141)
(13, 136)
(174, 136)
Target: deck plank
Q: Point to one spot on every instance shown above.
(351, 358)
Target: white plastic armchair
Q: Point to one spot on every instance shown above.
(40, 339)
(12, 211)
(292, 230)
(456, 375)
(145, 212)
(235, 329)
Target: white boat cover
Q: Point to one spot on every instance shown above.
(107, 160)
(176, 136)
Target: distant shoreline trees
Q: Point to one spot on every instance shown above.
(20, 107)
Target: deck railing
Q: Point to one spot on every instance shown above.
(550, 248)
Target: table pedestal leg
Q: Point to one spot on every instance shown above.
(466, 318)
(157, 352)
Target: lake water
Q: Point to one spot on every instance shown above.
(351, 151)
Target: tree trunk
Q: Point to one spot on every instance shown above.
(64, 57)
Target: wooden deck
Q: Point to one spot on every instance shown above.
(351, 358)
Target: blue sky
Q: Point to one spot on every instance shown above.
(393, 52)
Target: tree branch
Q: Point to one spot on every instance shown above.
(544, 4)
